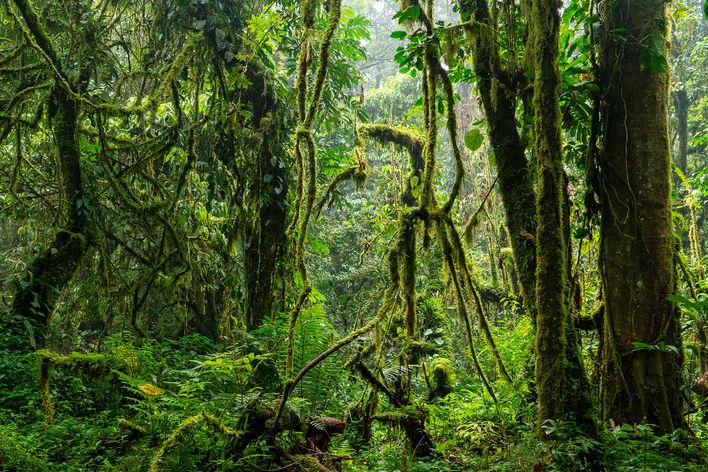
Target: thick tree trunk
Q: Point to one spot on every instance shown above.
(52, 269)
(264, 246)
(640, 382)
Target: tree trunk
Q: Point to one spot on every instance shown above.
(681, 104)
(52, 269)
(515, 180)
(558, 367)
(550, 254)
(264, 238)
(639, 382)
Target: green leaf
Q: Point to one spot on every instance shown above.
(659, 64)
(473, 139)
(410, 13)
(398, 34)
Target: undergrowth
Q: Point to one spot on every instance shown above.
(119, 423)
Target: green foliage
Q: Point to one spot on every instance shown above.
(20, 453)
(185, 134)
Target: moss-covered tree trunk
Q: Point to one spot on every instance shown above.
(264, 238)
(550, 255)
(515, 179)
(640, 382)
(52, 269)
(558, 367)
(265, 243)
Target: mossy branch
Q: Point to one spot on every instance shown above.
(135, 430)
(304, 133)
(48, 360)
(335, 12)
(291, 384)
(186, 425)
(404, 138)
(369, 376)
(346, 174)
(39, 40)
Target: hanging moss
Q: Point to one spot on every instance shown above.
(460, 260)
(406, 139)
(462, 307)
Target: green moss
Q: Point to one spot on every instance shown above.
(403, 138)
(442, 373)
(92, 364)
(135, 430)
(407, 273)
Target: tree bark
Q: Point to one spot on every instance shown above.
(515, 180)
(639, 383)
(51, 270)
(264, 238)
(558, 367)
(550, 254)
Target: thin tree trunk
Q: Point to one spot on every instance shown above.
(681, 104)
(515, 180)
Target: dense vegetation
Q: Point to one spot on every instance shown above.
(275, 235)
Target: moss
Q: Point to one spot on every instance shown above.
(411, 419)
(304, 133)
(499, 100)
(452, 131)
(168, 76)
(92, 364)
(442, 372)
(403, 138)
(44, 392)
(431, 128)
(407, 271)
(462, 307)
(551, 261)
(186, 425)
(135, 430)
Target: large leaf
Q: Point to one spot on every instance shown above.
(473, 139)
